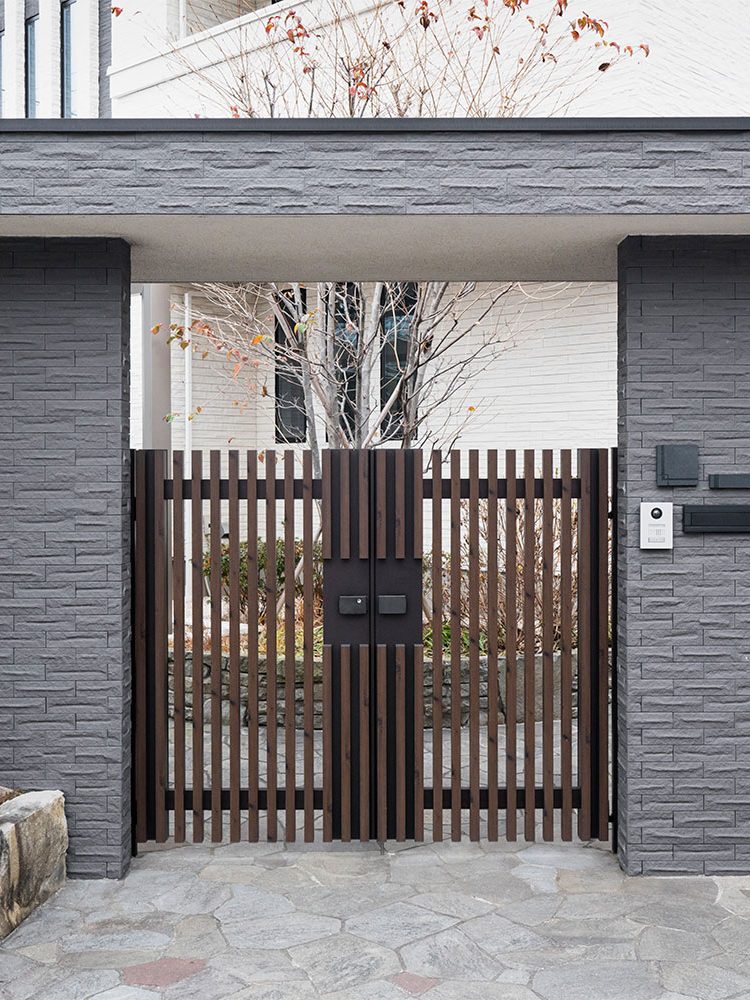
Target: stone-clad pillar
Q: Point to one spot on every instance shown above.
(684, 615)
(64, 536)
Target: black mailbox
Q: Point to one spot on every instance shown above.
(726, 519)
(392, 604)
(353, 604)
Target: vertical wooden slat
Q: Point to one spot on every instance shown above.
(418, 505)
(400, 505)
(345, 518)
(290, 720)
(215, 588)
(345, 709)
(566, 647)
(161, 650)
(326, 526)
(511, 650)
(327, 745)
(419, 743)
(474, 577)
(234, 646)
(252, 647)
(178, 603)
(364, 503)
(307, 645)
(455, 645)
(529, 658)
(196, 547)
(140, 762)
(271, 649)
(364, 743)
(400, 743)
(492, 652)
(603, 644)
(437, 646)
(381, 721)
(380, 505)
(548, 735)
(584, 645)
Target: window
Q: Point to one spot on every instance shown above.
(348, 323)
(31, 66)
(399, 303)
(2, 86)
(66, 59)
(291, 419)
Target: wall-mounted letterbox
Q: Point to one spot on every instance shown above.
(722, 518)
(352, 604)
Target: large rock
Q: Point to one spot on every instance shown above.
(33, 844)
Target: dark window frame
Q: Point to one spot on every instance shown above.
(30, 65)
(66, 58)
(395, 336)
(290, 421)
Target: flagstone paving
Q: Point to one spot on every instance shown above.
(445, 922)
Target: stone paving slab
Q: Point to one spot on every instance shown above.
(349, 922)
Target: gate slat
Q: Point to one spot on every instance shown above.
(290, 720)
(602, 585)
(548, 736)
(234, 646)
(381, 665)
(253, 817)
(346, 743)
(215, 593)
(364, 504)
(437, 646)
(326, 525)
(400, 504)
(492, 654)
(307, 645)
(400, 742)
(161, 649)
(271, 649)
(529, 658)
(419, 743)
(566, 644)
(455, 645)
(196, 546)
(327, 745)
(380, 505)
(178, 603)
(511, 652)
(584, 645)
(474, 645)
(140, 762)
(364, 743)
(418, 513)
(345, 518)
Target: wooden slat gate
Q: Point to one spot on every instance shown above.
(439, 627)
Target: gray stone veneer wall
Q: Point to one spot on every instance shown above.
(684, 629)
(64, 536)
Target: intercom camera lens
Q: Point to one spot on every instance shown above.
(656, 513)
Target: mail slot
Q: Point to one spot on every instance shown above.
(392, 604)
(722, 518)
(352, 604)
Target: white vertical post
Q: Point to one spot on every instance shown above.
(156, 379)
(48, 60)
(14, 48)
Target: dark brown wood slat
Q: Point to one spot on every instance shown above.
(584, 645)
(364, 743)
(511, 645)
(418, 504)
(603, 644)
(178, 604)
(271, 650)
(400, 504)
(437, 648)
(141, 705)
(253, 818)
(455, 614)
(492, 650)
(566, 648)
(400, 743)
(196, 546)
(290, 720)
(381, 721)
(474, 644)
(363, 464)
(548, 690)
(327, 744)
(326, 525)
(380, 505)
(529, 665)
(161, 649)
(234, 647)
(419, 743)
(217, 747)
(346, 743)
(345, 518)
(307, 646)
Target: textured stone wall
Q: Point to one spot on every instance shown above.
(684, 630)
(64, 536)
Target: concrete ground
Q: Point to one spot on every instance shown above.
(447, 922)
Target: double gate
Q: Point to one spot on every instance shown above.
(380, 651)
